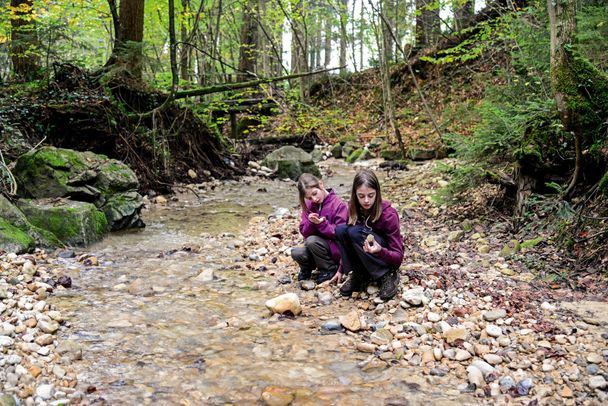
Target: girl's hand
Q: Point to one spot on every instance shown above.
(315, 219)
(372, 248)
(338, 277)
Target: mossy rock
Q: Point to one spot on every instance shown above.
(510, 249)
(13, 239)
(15, 217)
(359, 155)
(58, 172)
(291, 162)
(348, 148)
(74, 223)
(376, 142)
(532, 243)
(83, 176)
(390, 153)
(422, 154)
(122, 210)
(336, 151)
(317, 155)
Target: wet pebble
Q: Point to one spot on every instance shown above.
(331, 326)
(284, 279)
(592, 369)
(438, 372)
(523, 387)
(307, 284)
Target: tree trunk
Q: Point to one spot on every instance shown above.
(299, 46)
(24, 41)
(464, 11)
(562, 20)
(343, 34)
(248, 49)
(130, 35)
(185, 49)
(328, 37)
(361, 35)
(388, 10)
(427, 24)
(173, 50)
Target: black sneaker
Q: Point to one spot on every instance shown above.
(304, 274)
(352, 284)
(325, 276)
(389, 284)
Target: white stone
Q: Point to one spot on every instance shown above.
(475, 376)
(206, 276)
(289, 302)
(45, 391)
(462, 355)
(493, 330)
(6, 341)
(493, 359)
(597, 382)
(547, 306)
(433, 317)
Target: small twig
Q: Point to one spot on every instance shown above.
(37, 145)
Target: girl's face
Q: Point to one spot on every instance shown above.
(366, 196)
(316, 194)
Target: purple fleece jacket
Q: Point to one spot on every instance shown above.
(388, 227)
(335, 212)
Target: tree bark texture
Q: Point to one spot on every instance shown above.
(24, 41)
(248, 50)
(185, 49)
(130, 37)
(428, 27)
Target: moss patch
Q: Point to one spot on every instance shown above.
(355, 155)
(13, 239)
(74, 223)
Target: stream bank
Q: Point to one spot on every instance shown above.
(175, 313)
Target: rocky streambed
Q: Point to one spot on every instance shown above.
(175, 314)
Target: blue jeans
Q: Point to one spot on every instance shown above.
(364, 265)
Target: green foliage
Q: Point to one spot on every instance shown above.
(592, 34)
(462, 178)
(326, 123)
(485, 36)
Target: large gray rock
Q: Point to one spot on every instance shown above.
(82, 176)
(291, 162)
(74, 223)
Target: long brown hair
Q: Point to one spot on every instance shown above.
(306, 181)
(364, 177)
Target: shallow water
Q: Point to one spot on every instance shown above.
(152, 334)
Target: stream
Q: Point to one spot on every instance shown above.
(153, 333)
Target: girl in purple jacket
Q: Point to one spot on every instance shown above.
(371, 243)
(322, 211)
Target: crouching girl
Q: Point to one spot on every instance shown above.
(370, 244)
(322, 211)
